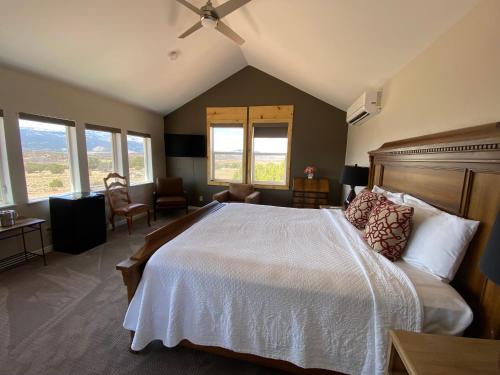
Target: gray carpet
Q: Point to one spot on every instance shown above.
(66, 318)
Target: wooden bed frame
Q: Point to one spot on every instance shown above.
(457, 171)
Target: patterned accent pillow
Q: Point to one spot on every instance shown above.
(388, 229)
(359, 210)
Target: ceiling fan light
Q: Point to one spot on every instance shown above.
(209, 21)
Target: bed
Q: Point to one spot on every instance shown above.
(219, 279)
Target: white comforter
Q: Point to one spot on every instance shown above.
(293, 284)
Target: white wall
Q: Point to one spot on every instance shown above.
(25, 92)
(454, 83)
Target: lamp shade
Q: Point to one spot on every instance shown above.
(353, 175)
(490, 261)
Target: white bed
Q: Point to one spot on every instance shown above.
(293, 284)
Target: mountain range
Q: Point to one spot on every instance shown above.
(46, 140)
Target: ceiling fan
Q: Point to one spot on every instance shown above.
(211, 17)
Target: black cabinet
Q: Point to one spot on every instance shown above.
(78, 222)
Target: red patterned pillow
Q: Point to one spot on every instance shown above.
(359, 210)
(388, 229)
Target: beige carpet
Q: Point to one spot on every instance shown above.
(66, 318)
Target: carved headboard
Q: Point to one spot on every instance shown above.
(459, 172)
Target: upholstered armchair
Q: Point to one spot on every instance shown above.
(169, 193)
(242, 193)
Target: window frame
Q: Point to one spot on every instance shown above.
(148, 155)
(70, 130)
(258, 115)
(248, 117)
(5, 186)
(216, 118)
(115, 151)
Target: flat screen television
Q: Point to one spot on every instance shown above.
(185, 145)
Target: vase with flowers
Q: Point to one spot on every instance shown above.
(310, 172)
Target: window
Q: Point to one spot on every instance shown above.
(139, 158)
(269, 162)
(262, 158)
(46, 151)
(226, 128)
(102, 153)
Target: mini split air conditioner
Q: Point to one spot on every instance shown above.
(366, 106)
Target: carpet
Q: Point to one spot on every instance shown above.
(66, 318)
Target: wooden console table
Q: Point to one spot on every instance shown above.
(310, 193)
(22, 227)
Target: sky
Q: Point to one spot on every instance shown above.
(231, 139)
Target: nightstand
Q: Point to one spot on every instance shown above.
(420, 353)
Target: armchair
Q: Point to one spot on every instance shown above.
(243, 193)
(119, 201)
(169, 193)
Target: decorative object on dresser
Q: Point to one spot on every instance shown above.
(243, 193)
(420, 353)
(78, 222)
(310, 172)
(119, 201)
(310, 193)
(353, 176)
(169, 193)
(19, 229)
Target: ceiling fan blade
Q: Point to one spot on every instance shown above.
(227, 31)
(229, 7)
(191, 30)
(190, 6)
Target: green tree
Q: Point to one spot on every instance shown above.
(55, 168)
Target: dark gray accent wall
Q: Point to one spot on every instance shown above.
(319, 132)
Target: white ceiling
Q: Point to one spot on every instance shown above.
(332, 49)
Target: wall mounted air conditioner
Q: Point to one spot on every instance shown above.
(366, 106)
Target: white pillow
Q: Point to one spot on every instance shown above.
(394, 197)
(438, 241)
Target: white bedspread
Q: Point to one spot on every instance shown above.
(293, 284)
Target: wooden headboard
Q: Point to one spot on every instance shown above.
(459, 172)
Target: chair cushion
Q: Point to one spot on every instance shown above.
(238, 192)
(166, 186)
(132, 209)
(171, 201)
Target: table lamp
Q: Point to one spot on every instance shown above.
(353, 176)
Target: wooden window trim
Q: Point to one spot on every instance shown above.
(270, 115)
(229, 116)
(247, 116)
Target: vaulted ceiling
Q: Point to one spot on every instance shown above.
(332, 49)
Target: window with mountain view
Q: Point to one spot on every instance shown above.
(102, 155)
(139, 158)
(46, 155)
(269, 154)
(227, 153)
(250, 145)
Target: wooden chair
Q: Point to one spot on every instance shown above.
(119, 201)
